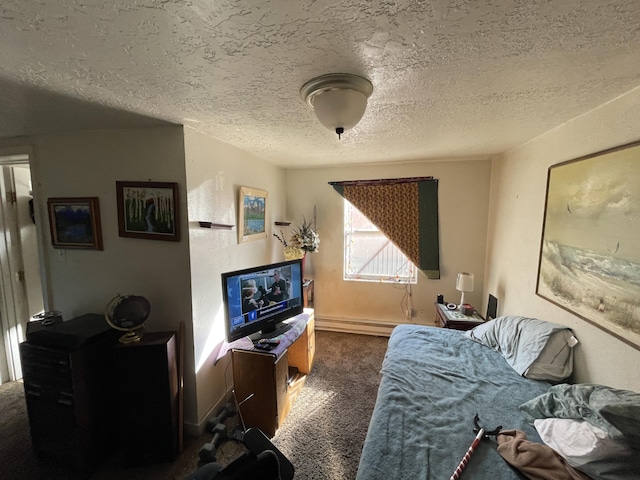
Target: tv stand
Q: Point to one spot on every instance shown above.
(274, 380)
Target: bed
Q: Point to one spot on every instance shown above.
(433, 382)
(512, 372)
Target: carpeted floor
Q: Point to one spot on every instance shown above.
(322, 436)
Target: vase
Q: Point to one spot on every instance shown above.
(293, 253)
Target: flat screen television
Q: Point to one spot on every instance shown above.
(257, 300)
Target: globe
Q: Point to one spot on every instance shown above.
(128, 313)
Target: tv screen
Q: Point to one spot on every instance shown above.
(256, 300)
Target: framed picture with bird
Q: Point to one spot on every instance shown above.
(589, 260)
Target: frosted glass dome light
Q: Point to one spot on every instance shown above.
(339, 100)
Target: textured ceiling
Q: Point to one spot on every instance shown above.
(452, 78)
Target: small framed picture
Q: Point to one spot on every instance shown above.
(75, 223)
(148, 210)
(252, 214)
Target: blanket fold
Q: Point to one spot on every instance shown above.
(534, 460)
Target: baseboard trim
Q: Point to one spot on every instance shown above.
(192, 430)
(355, 325)
(197, 429)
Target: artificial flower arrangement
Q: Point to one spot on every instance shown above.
(303, 239)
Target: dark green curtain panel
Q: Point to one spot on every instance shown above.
(406, 211)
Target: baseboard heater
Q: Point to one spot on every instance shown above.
(355, 325)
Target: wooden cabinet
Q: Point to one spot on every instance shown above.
(147, 388)
(301, 352)
(274, 381)
(89, 396)
(68, 384)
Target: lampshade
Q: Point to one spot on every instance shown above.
(464, 283)
(339, 100)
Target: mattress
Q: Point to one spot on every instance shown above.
(433, 382)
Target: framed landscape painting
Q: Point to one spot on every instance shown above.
(148, 210)
(75, 223)
(252, 214)
(590, 250)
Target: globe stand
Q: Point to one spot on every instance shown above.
(130, 337)
(128, 313)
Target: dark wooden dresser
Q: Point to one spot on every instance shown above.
(147, 398)
(68, 383)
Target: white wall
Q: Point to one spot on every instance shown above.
(518, 188)
(176, 277)
(215, 172)
(463, 194)
(88, 165)
(84, 281)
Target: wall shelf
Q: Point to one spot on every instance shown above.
(219, 226)
(282, 223)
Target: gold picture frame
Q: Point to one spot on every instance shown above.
(252, 214)
(589, 261)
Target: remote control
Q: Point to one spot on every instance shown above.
(263, 346)
(269, 341)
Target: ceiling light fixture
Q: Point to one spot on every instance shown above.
(338, 99)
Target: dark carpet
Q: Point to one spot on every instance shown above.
(322, 435)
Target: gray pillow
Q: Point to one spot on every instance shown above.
(624, 466)
(534, 348)
(615, 411)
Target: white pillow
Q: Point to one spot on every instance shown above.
(578, 441)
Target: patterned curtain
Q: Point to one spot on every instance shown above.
(406, 211)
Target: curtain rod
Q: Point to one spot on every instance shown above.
(381, 181)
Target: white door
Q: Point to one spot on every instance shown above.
(21, 286)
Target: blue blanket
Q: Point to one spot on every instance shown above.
(433, 383)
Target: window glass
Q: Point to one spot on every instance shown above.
(369, 255)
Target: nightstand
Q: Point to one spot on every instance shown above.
(455, 319)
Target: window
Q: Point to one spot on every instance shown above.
(369, 255)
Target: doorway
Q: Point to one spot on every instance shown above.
(21, 293)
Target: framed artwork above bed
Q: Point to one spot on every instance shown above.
(589, 260)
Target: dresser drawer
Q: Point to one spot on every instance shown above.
(46, 368)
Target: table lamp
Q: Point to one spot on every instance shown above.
(464, 283)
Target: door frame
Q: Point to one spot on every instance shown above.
(14, 307)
